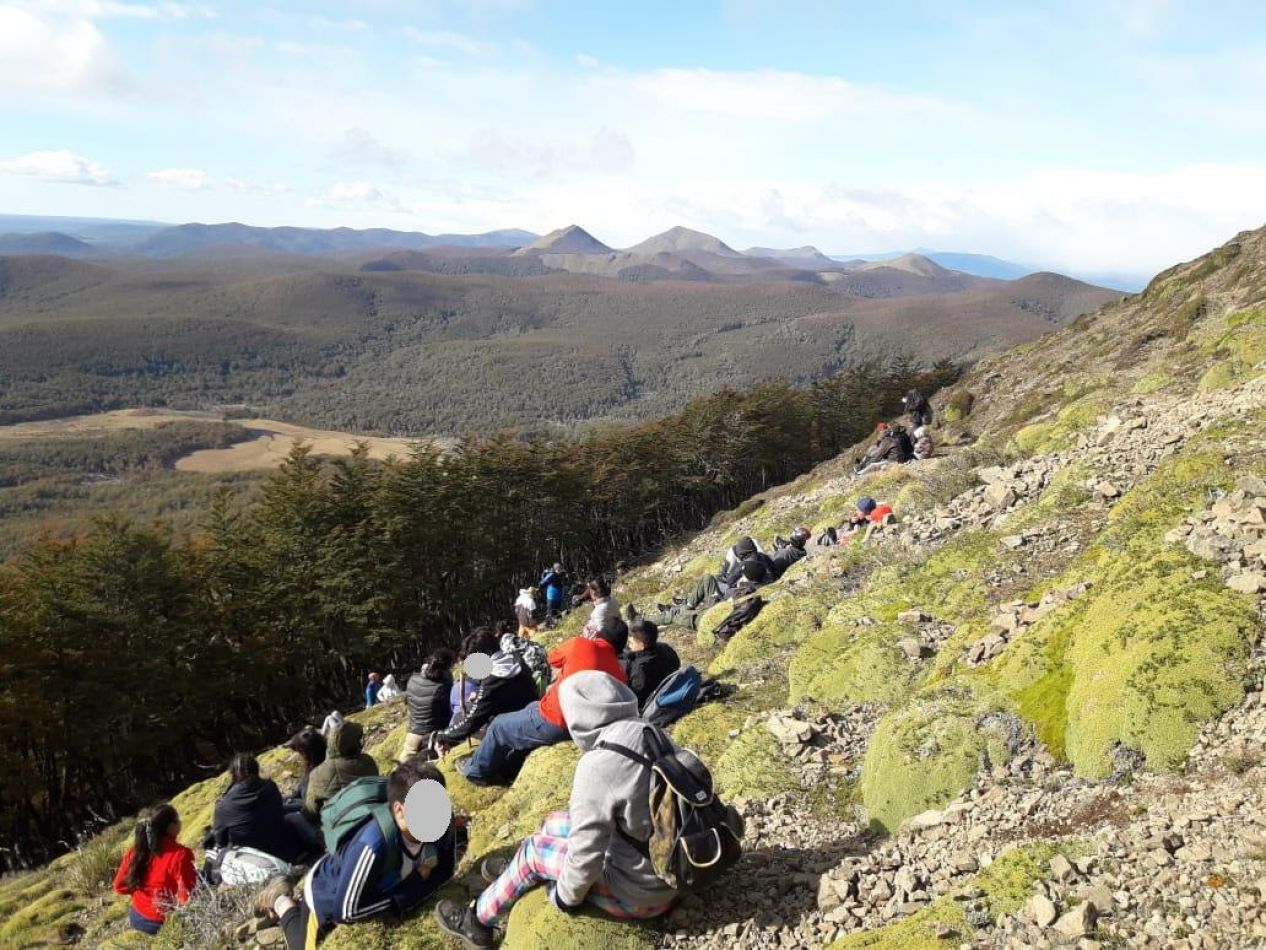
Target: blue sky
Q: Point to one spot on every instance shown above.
(1083, 134)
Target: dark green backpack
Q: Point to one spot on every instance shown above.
(361, 800)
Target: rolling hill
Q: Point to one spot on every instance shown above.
(445, 340)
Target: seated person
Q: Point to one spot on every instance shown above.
(390, 689)
(736, 555)
(891, 445)
(251, 815)
(593, 853)
(791, 552)
(371, 874)
(533, 656)
(922, 443)
(427, 697)
(479, 640)
(156, 872)
(507, 689)
(344, 761)
(513, 735)
(606, 609)
(647, 661)
(306, 827)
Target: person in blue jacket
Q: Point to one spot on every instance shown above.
(372, 688)
(370, 875)
(553, 584)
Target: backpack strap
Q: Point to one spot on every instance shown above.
(642, 847)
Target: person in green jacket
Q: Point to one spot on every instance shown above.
(344, 761)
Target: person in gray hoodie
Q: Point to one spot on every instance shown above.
(585, 855)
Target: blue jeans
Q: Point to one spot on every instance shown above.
(142, 923)
(510, 738)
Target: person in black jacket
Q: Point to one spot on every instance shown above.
(427, 696)
(306, 827)
(508, 688)
(788, 554)
(647, 661)
(251, 815)
(917, 406)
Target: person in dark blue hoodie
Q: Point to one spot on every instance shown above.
(251, 815)
(371, 874)
(553, 585)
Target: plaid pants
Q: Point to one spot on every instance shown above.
(540, 859)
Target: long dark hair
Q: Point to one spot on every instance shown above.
(243, 766)
(149, 831)
(439, 663)
(310, 745)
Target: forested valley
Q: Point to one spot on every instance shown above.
(134, 656)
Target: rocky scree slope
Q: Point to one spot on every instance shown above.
(1029, 714)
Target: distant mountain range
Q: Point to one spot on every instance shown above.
(679, 253)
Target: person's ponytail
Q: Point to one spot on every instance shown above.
(145, 841)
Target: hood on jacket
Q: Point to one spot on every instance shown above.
(248, 791)
(525, 599)
(345, 739)
(591, 700)
(505, 662)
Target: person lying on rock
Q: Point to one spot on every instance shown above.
(379, 869)
(426, 697)
(513, 735)
(788, 554)
(754, 572)
(647, 661)
(868, 515)
(589, 854)
(743, 549)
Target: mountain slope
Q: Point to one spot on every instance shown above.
(572, 239)
(681, 239)
(807, 256)
(931, 727)
(46, 242)
(191, 238)
(427, 342)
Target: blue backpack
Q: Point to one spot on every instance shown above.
(676, 696)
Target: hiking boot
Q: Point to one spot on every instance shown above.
(462, 765)
(663, 608)
(459, 920)
(492, 868)
(631, 613)
(679, 601)
(276, 887)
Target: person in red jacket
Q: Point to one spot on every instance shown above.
(157, 871)
(513, 735)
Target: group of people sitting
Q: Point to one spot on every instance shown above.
(895, 444)
(591, 687)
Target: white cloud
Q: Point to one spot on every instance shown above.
(587, 61)
(605, 152)
(357, 196)
(103, 9)
(447, 39)
(358, 146)
(52, 56)
(58, 165)
(182, 179)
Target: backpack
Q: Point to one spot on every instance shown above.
(534, 658)
(363, 799)
(238, 867)
(694, 836)
(744, 612)
(677, 695)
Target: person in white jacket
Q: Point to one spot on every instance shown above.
(606, 609)
(583, 855)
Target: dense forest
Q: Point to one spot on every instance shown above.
(132, 655)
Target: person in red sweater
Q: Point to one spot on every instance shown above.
(157, 871)
(512, 736)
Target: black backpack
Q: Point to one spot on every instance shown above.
(744, 612)
(694, 836)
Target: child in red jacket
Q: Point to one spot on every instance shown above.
(157, 871)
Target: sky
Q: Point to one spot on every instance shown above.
(1087, 135)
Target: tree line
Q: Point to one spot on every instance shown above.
(131, 656)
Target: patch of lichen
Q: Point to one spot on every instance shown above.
(707, 729)
(1152, 382)
(418, 931)
(785, 621)
(753, 766)
(1151, 652)
(1042, 438)
(536, 925)
(36, 923)
(1007, 883)
(844, 663)
(926, 753)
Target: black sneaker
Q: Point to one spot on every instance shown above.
(492, 868)
(459, 920)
